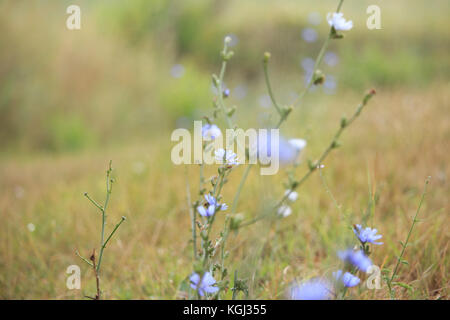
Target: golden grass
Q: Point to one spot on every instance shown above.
(399, 140)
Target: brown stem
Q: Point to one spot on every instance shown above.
(97, 278)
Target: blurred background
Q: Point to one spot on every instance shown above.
(70, 100)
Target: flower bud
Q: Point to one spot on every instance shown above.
(266, 57)
(318, 77)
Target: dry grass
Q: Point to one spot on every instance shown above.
(400, 140)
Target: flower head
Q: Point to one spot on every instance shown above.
(284, 211)
(356, 258)
(367, 234)
(211, 131)
(213, 201)
(227, 157)
(288, 150)
(292, 195)
(338, 22)
(347, 278)
(204, 284)
(314, 289)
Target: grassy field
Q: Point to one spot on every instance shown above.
(69, 108)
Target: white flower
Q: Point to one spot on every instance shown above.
(31, 227)
(284, 211)
(297, 144)
(292, 195)
(211, 131)
(226, 157)
(338, 21)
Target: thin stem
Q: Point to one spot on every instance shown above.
(192, 214)
(114, 230)
(333, 144)
(84, 259)
(405, 244)
(108, 194)
(269, 87)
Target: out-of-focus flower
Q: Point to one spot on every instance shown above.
(288, 150)
(31, 227)
(234, 40)
(330, 85)
(298, 144)
(204, 284)
(356, 258)
(367, 234)
(210, 131)
(292, 195)
(264, 101)
(331, 59)
(240, 92)
(284, 211)
(226, 93)
(309, 35)
(314, 289)
(347, 278)
(314, 18)
(177, 71)
(338, 22)
(227, 157)
(308, 64)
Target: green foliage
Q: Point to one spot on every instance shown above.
(69, 133)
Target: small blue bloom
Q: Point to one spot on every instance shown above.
(347, 279)
(314, 289)
(210, 207)
(226, 93)
(203, 284)
(211, 131)
(213, 201)
(356, 258)
(367, 234)
(207, 210)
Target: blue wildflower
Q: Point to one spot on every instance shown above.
(347, 278)
(213, 201)
(211, 131)
(314, 289)
(367, 234)
(288, 150)
(227, 157)
(210, 207)
(356, 258)
(203, 284)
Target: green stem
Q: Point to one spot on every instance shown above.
(405, 244)
(323, 156)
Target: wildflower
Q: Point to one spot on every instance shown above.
(356, 258)
(227, 157)
(338, 22)
(331, 59)
(292, 195)
(204, 284)
(347, 278)
(213, 201)
(284, 211)
(177, 71)
(288, 150)
(314, 289)
(309, 35)
(226, 93)
(211, 131)
(297, 144)
(367, 234)
(31, 227)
